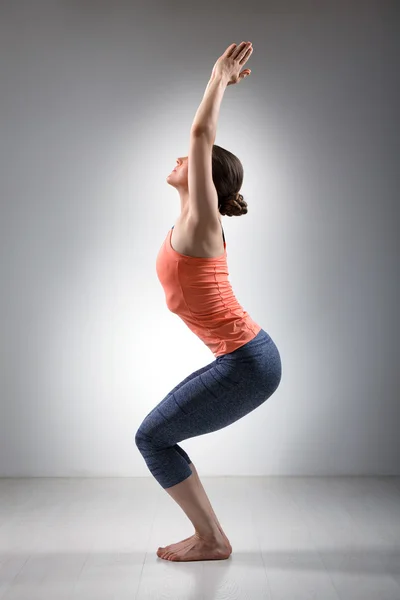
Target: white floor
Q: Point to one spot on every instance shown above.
(293, 538)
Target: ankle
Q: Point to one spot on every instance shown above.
(213, 535)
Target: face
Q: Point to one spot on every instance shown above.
(179, 176)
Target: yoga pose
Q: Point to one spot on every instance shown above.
(192, 269)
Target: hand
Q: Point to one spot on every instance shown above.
(229, 64)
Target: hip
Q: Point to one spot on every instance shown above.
(259, 359)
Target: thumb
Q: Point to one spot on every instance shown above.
(244, 74)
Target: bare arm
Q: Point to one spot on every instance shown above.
(207, 114)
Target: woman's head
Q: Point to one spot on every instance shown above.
(227, 173)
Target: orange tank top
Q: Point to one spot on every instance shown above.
(199, 292)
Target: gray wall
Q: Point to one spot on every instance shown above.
(96, 102)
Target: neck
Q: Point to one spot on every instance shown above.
(184, 197)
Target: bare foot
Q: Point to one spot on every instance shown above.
(176, 547)
(173, 547)
(196, 548)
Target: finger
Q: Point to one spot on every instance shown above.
(229, 51)
(239, 51)
(246, 57)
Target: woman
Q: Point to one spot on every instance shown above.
(192, 268)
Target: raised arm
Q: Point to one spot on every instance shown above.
(226, 71)
(203, 198)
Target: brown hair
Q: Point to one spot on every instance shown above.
(227, 173)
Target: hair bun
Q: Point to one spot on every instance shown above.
(233, 205)
(239, 201)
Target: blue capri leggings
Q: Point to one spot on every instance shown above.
(209, 399)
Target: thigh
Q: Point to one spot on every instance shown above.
(206, 402)
(192, 376)
(218, 394)
(181, 384)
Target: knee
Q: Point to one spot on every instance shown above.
(140, 437)
(144, 437)
(149, 431)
